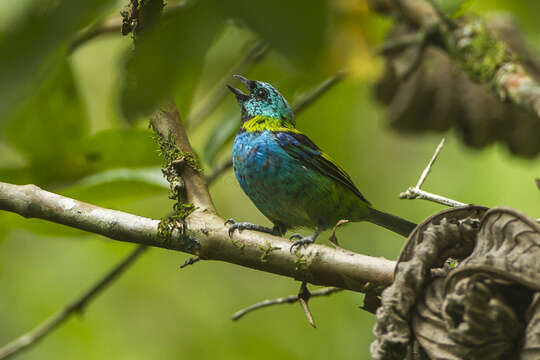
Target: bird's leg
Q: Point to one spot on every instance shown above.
(304, 240)
(277, 230)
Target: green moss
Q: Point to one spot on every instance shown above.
(479, 54)
(168, 224)
(240, 245)
(267, 249)
(173, 155)
(300, 262)
(173, 159)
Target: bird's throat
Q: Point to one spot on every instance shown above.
(261, 123)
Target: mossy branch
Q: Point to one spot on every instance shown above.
(483, 57)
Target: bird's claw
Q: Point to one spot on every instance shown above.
(234, 226)
(248, 226)
(301, 242)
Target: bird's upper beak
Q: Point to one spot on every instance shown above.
(240, 96)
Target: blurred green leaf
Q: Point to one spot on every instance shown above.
(454, 8)
(49, 129)
(169, 59)
(122, 148)
(152, 176)
(222, 133)
(11, 221)
(112, 187)
(22, 175)
(28, 47)
(295, 28)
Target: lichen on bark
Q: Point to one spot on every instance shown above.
(478, 52)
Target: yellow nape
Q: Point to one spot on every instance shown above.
(261, 123)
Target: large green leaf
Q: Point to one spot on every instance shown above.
(222, 133)
(116, 186)
(122, 148)
(169, 58)
(296, 28)
(49, 129)
(28, 48)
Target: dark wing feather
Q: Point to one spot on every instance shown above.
(304, 150)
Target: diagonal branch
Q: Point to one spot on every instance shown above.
(167, 123)
(78, 306)
(291, 299)
(209, 104)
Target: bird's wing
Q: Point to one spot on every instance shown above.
(300, 147)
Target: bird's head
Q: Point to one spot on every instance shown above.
(263, 99)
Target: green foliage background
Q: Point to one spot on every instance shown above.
(62, 127)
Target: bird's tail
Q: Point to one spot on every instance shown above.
(391, 222)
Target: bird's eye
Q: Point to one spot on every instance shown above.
(261, 93)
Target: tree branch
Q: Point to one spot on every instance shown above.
(207, 237)
(167, 123)
(210, 103)
(291, 299)
(482, 57)
(314, 94)
(218, 171)
(413, 193)
(111, 25)
(78, 306)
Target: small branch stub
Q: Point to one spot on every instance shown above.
(291, 299)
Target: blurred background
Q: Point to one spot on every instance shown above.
(72, 122)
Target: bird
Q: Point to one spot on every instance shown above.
(289, 178)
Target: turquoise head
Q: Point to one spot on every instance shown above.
(263, 99)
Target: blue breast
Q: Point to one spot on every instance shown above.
(272, 179)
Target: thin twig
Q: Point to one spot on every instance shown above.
(291, 299)
(400, 43)
(417, 193)
(414, 193)
(447, 20)
(78, 306)
(111, 25)
(317, 92)
(427, 170)
(218, 170)
(209, 104)
(303, 298)
(192, 260)
(508, 79)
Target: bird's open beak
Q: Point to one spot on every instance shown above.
(240, 96)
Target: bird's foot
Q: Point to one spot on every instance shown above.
(276, 230)
(303, 240)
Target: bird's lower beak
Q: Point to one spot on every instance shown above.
(250, 85)
(240, 96)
